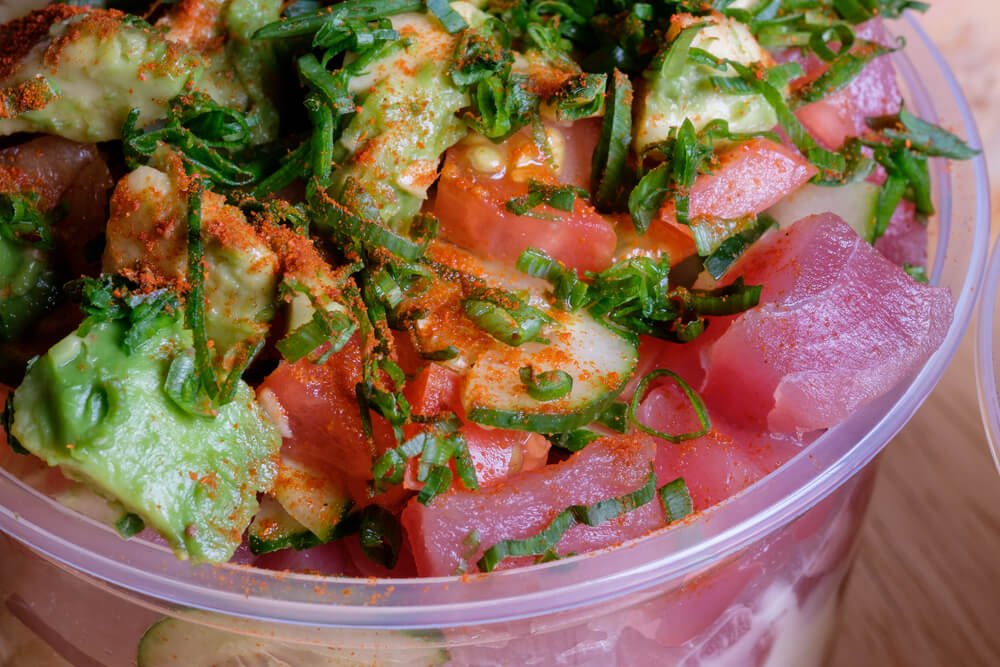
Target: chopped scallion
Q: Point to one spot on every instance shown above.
(697, 405)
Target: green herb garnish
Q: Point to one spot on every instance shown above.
(589, 515)
(546, 386)
(697, 405)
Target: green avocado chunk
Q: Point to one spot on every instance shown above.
(27, 276)
(680, 88)
(103, 416)
(27, 287)
(254, 63)
(407, 119)
(82, 79)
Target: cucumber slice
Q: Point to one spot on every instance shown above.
(274, 529)
(856, 203)
(173, 642)
(316, 498)
(599, 360)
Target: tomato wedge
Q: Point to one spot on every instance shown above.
(479, 178)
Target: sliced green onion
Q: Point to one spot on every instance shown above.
(464, 465)
(560, 197)
(22, 223)
(580, 96)
(357, 10)
(719, 261)
(827, 161)
(480, 53)
(511, 326)
(676, 500)
(573, 441)
(195, 302)
(569, 291)
(437, 482)
(547, 385)
(501, 105)
(614, 417)
(888, 200)
(293, 166)
(841, 72)
(838, 32)
(917, 272)
(333, 327)
(728, 300)
(671, 63)
(449, 18)
(693, 398)
(183, 386)
(930, 139)
(530, 546)
(444, 354)
(321, 144)
(646, 198)
(591, 515)
(437, 448)
(608, 165)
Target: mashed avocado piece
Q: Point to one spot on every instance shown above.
(691, 94)
(101, 413)
(91, 67)
(147, 242)
(254, 63)
(407, 118)
(27, 287)
(27, 277)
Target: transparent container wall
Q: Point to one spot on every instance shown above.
(988, 353)
(773, 603)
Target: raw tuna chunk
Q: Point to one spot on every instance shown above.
(838, 326)
(749, 178)
(874, 92)
(496, 453)
(715, 466)
(905, 239)
(525, 504)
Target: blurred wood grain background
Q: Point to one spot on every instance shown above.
(926, 586)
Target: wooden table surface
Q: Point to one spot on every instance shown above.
(926, 587)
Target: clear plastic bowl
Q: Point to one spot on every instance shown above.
(756, 580)
(988, 353)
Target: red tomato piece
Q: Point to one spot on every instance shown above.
(434, 390)
(671, 239)
(496, 453)
(321, 411)
(748, 178)
(471, 204)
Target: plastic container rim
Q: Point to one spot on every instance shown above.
(152, 571)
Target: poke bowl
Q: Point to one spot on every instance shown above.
(752, 580)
